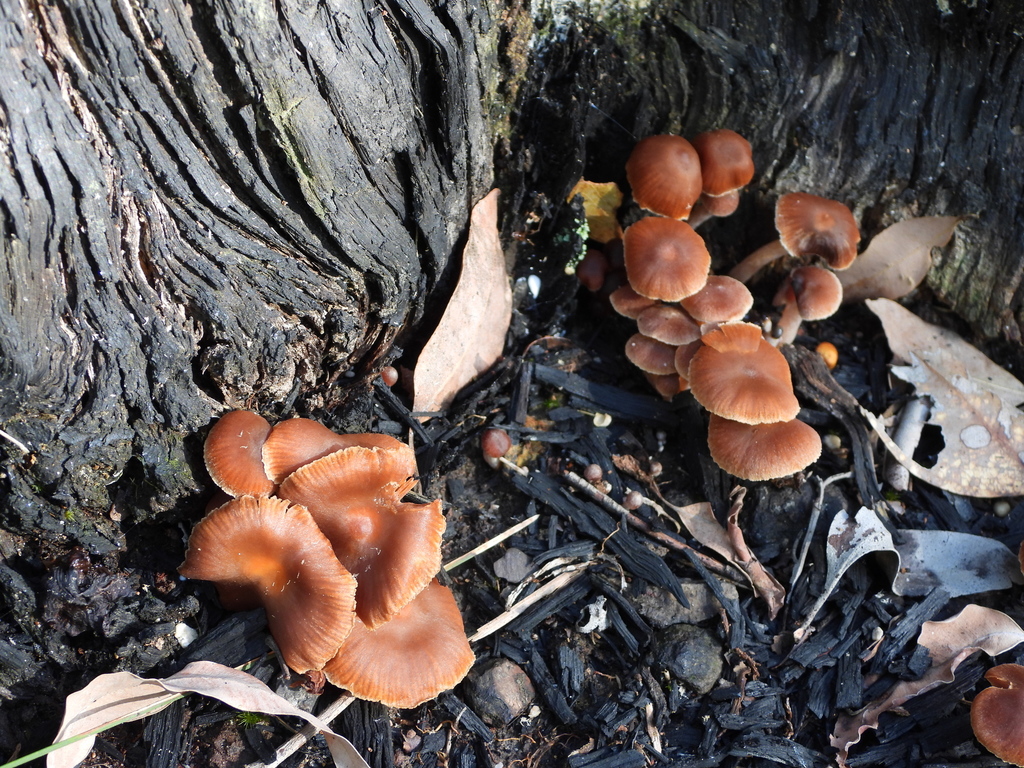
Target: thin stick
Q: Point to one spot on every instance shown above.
(812, 524)
(490, 543)
(561, 581)
(643, 526)
(20, 445)
(307, 732)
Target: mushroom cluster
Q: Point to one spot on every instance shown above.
(809, 227)
(312, 526)
(690, 333)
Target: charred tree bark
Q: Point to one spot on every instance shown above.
(208, 206)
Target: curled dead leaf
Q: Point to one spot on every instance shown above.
(948, 643)
(897, 259)
(470, 336)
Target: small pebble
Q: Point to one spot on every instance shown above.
(499, 691)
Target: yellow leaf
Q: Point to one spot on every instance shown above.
(601, 203)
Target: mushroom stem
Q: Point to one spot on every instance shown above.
(709, 207)
(788, 325)
(753, 263)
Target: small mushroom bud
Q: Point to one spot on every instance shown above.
(495, 443)
(389, 375)
(633, 500)
(593, 473)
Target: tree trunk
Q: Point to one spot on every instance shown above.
(210, 206)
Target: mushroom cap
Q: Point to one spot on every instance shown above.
(233, 452)
(296, 442)
(664, 174)
(726, 161)
(628, 302)
(668, 323)
(393, 547)
(684, 354)
(665, 259)
(667, 385)
(650, 355)
(723, 299)
(817, 292)
(809, 225)
(736, 379)
(762, 451)
(412, 658)
(592, 269)
(997, 713)
(261, 551)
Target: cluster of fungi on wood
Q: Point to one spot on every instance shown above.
(311, 526)
(691, 333)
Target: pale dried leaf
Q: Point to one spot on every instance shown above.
(948, 643)
(850, 539)
(910, 336)
(983, 455)
(699, 520)
(959, 563)
(897, 259)
(973, 403)
(601, 201)
(124, 696)
(470, 336)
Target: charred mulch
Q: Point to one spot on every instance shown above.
(639, 647)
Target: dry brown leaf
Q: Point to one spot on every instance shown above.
(728, 542)
(897, 259)
(910, 336)
(122, 696)
(973, 403)
(948, 643)
(470, 336)
(601, 201)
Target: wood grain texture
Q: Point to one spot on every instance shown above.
(210, 205)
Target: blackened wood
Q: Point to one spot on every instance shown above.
(778, 750)
(611, 400)
(907, 627)
(813, 380)
(465, 716)
(598, 524)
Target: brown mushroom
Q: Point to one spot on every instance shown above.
(762, 451)
(668, 323)
(665, 259)
(412, 658)
(233, 452)
(651, 355)
(738, 375)
(628, 302)
(722, 300)
(263, 552)
(726, 166)
(393, 547)
(664, 173)
(997, 713)
(293, 443)
(808, 226)
(809, 293)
